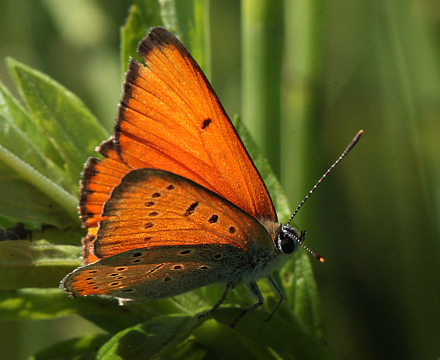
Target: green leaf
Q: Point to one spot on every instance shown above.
(287, 339)
(155, 338)
(33, 304)
(37, 264)
(143, 15)
(38, 304)
(60, 116)
(28, 195)
(82, 348)
(42, 153)
(187, 19)
(252, 338)
(191, 26)
(71, 236)
(203, 299)
(189, 349)
(20, 135)
(213, 335)
(302, 294)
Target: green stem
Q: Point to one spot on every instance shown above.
(262, 28)
(301, 95)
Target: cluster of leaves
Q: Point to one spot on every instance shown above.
(43, 147)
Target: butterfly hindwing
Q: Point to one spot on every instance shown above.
(155, 273)
(153, 208)
(99, 178)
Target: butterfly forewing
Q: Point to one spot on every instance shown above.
(153, 208)
(98, 181)
(171, 119)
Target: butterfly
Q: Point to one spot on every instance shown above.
(176, 203)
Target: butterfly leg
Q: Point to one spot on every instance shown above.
(256, 291)
(280, 293)
(222, 299)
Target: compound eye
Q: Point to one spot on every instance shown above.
(287, 244)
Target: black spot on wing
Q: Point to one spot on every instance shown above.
(206, 123)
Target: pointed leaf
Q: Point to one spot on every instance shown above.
(143, 15)
(60, 116)
(287, 339)
(20, 135)
(155, 338)
(27, 194)
(214, 335)
(302, 294)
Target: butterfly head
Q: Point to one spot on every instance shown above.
(290, 241)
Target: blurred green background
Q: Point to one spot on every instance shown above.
(330, 69)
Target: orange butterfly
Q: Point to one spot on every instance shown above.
(177, 202)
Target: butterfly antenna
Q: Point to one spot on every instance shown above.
(346, 151)
(301, 239)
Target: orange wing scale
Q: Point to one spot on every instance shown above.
(99, 179)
